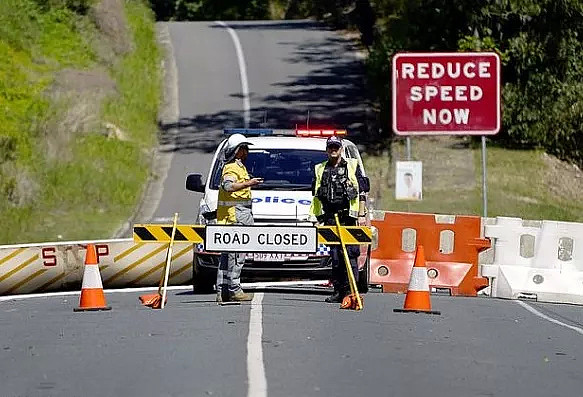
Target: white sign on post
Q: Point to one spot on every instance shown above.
(409, 180)
(234, 238)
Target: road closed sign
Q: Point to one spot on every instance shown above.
(232, 238)
(446, 93)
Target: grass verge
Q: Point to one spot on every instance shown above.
(523, 183)
(91, 191)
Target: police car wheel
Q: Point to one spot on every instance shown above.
(203, 286)
(203, 281)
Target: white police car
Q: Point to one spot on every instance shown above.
(286, 160)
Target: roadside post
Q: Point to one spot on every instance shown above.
(448, 93)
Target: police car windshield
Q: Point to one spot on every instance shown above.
(281, 169)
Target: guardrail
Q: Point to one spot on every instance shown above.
(58, 266)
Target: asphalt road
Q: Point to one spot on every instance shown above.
(292, 69)
(477, 347)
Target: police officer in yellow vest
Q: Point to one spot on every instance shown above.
(234, 207)
(338, 188)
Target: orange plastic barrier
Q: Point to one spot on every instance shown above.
(457, 271)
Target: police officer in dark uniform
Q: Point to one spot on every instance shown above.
(339, 188)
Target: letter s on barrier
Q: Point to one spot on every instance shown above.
(49, 257)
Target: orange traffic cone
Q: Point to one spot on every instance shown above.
(418, 297)
(92, 297)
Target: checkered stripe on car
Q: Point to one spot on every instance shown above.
(322, 250)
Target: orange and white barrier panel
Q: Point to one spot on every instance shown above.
(31, 268)
(543, 263)
(452, 245)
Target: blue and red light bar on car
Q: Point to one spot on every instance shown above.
(315, 133)
(320, 133)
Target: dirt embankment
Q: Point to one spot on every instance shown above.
(78, 94)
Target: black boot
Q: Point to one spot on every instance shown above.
(336, 297)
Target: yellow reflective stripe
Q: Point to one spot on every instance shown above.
(234, 202)
(158, 233)
(190, 235)
(178, 255)
(146, 274)
(136, 263)
(127, 252)
(26, 280)
(12, 255)
(161, 264)
(183, 268)
(19, 268)
(52, 281)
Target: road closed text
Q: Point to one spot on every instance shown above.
(446, 93)
(260, 239)
(291, 239)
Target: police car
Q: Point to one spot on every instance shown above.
(285, 159)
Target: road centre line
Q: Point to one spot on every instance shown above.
(257, 383)
(242, 71)
(550, 319)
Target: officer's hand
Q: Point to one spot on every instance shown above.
(254, 181)
(361, 220)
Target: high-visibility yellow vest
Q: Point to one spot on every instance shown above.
(316, 206)
(236, 171)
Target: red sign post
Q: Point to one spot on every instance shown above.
(446, 93)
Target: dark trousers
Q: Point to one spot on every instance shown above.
(339, 275)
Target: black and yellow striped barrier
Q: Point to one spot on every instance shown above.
(196, 234)
(162, 233)
(350, 235)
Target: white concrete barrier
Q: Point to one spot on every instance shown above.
(543, 263)
(58, 266)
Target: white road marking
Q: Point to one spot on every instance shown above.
(257, 383)
(69, 293)
(170, 288)
(267, 284)
(242, 71)
(550, 319)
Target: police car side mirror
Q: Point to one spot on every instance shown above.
(194, 183)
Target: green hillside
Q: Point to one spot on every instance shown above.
(79, 93)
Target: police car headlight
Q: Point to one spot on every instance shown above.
(375, 238)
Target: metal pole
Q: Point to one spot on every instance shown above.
(408, 148)
(484, 184)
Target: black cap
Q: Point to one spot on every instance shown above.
(334, 141)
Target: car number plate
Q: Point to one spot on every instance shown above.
(270, 257)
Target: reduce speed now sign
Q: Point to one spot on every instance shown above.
(446, 93)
